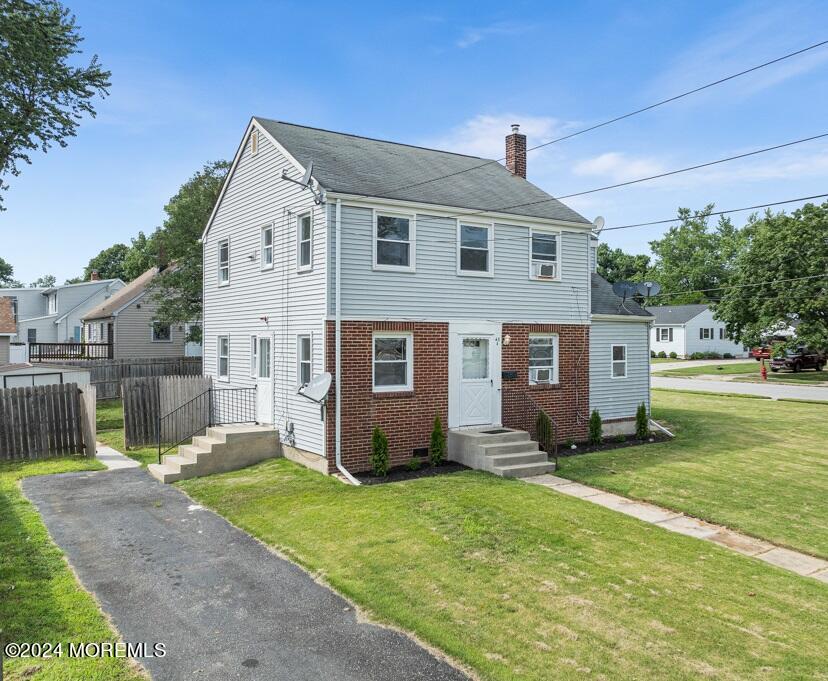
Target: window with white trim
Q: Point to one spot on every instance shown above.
(254, 356)
(543, 358)
(224, 262)
(53, 303)
(304, 359)
(474, 244)
(223, 357)
(664, 334)
(544, 264)
(705, 333)
(394, 242)
(393, 362)
(304, 242)
(619, 361)
(161, 333)
(267, 247)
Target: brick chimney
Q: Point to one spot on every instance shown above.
(516, 152)
(94, 276)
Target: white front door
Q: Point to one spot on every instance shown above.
(474, 374)
(264, 380)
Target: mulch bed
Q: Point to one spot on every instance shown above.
(611, 442)
(402, 473)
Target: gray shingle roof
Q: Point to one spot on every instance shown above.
(368, 167)
(604, 301)
(120, 298)
(675, 314)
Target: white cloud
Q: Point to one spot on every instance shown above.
(472, 36)
(618, 167)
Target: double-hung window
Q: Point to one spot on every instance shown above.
(706, 333)
(619, 361)
(664, 334)
(224, 262)
(543, 358)
(223, 358)
(475, 250)
(394, 236)
(161, 333)
(544, 263)
(267, 247)
(304, 242)
(393, 362)
(304, 359)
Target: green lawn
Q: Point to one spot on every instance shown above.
(110, 419)
(758, 466)
(748, 371)
(40, 599)
(521, 582)
(662, 360)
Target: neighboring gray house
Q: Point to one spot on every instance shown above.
(472, 297)
(53, 315)
(686, 329)
(127, 320)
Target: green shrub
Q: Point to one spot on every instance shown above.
(570, 443)
(652, 353)
(727, 355)
(595, 428)
(662, 354)
(545, 431)
(379, 452)
(620, 438)
(414, 464)
(642, 423)
(712, 355)
(437, 446)
(673, 355)
(697, 355)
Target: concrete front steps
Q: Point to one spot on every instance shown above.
(223, 448)
(502, 451)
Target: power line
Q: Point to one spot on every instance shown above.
(723, 288)
(621, 117)
(643, 179)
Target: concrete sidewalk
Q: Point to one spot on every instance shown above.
(167, 570)
(113, 459)
(800, 563)
(772, 390)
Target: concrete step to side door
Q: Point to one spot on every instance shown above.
(244, 432)
(509, 447)
(524, 470)
(192, 452)
(163, 473)
(206, 442)
(514, 458)
(177, 463)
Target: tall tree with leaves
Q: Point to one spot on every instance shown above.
(42, 96)
(109, 263)
(616, 265)
(781, 247)
(178, 290)
(142, 254)
(46, 281)
(7, 279)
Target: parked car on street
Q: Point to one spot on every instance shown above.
(799, 359)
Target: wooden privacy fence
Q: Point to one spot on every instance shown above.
(47, 420)
(107, 374)
(148, 399)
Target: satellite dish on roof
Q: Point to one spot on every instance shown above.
(649, 288)
(599, 224)
(317, 388)
(624, 289)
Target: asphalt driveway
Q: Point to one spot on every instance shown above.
(166, 570)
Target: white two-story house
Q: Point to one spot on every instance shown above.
(472, 296)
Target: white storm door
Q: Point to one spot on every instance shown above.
(476, 381)
(264, 380)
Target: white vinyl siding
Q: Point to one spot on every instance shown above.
(475, 249)
(394, 241)
(133, 330)
(543, 358)
(393, 362)
(614, 398)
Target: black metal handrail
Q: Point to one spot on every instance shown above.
(524, 416)
(213, 407)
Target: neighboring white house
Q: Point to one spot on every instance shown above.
(53, 315)
(472, 298)
(687, 329)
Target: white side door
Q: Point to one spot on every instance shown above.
(476, 381)
(264, 379)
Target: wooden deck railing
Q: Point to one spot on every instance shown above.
(45, 352)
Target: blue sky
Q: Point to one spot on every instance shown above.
(188, 75)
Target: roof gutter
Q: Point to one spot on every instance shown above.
(338, 348)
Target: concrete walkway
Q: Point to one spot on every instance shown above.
(786, 559)
(771, 390)
(167, 570)
(113, 459)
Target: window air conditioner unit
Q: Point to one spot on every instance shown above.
(540, 375)
(545, 270)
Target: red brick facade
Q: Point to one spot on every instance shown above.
(407, 417)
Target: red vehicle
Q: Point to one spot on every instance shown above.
(761, 353)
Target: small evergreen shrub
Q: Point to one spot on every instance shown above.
(662, 354)
(414, 464)
(727, 355)
(437, 446)
(673, 355)
(570, 443)
(620, 438)
(379, 452)
(652, 353)
(642, 423)
(545, 431)
(595, 428)
(697, 355)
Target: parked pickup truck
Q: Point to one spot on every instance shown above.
(799, 359)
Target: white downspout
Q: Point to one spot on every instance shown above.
(338, 348)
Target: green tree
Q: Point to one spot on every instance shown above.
(7, 279)
(616, 265)
(693, 256)
(109, 263)
(781, 247)
(43, 96)
(141, 255)
(46, 281)
(178, 290)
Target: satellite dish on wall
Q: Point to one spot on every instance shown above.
(318, 387)
(599, 224)
(649, 288)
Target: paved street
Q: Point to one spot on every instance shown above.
(772, 390)
(167, 570)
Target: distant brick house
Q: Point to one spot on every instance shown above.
(468, 297)
(8, 327)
